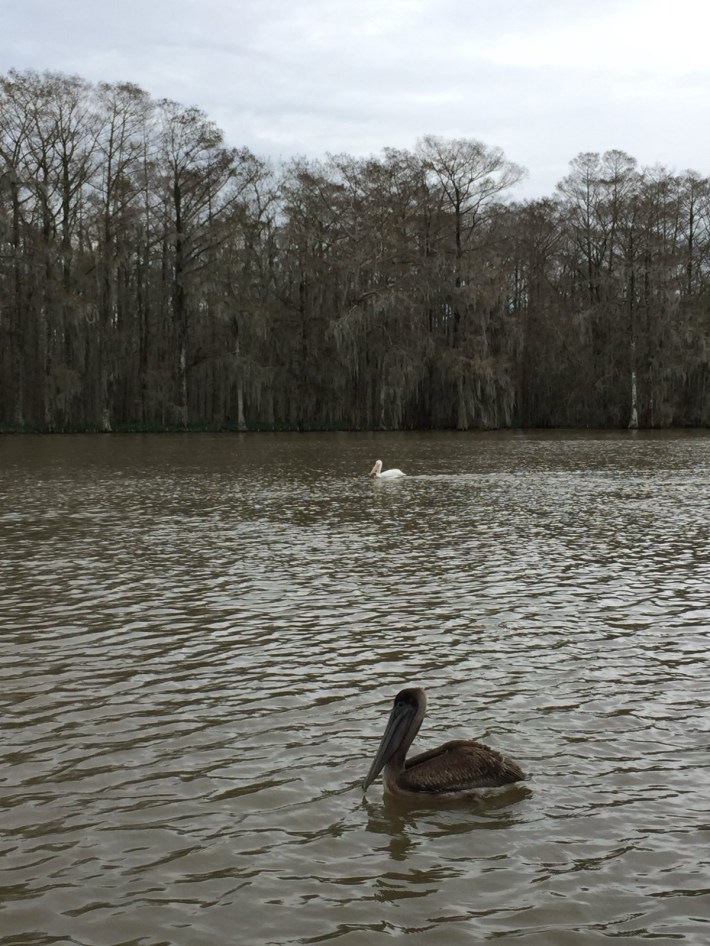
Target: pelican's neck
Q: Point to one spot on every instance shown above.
(396, 762)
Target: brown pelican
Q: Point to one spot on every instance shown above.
(455, 770)
(377, 473)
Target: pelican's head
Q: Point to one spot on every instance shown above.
(405, 719)
(376, 468)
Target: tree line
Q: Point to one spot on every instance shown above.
(153, 277)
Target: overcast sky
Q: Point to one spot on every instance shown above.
(542, 79)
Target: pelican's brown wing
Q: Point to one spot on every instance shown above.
(458, 766)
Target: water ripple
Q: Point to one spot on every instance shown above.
(202, 636)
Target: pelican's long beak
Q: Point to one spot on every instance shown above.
(373, 470)
(398, 726)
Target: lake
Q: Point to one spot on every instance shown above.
(202, 636)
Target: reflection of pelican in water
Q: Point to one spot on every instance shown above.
(377, 473)
(454, 770)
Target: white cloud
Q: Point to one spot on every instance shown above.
(544, 79)
(639, 36)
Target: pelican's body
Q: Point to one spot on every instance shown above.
(454, 770)
(379, 474)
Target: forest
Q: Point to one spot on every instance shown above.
(152, 277)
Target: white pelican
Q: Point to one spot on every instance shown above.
(377, 473)
(454, 770)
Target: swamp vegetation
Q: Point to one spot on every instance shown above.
(153, 277)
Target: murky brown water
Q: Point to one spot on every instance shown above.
(201, 637)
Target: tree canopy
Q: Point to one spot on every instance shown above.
(152, 276)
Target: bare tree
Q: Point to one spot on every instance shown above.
(151, 276)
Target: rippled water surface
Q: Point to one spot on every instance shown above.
(201, 637)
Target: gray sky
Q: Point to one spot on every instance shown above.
(542, 79)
